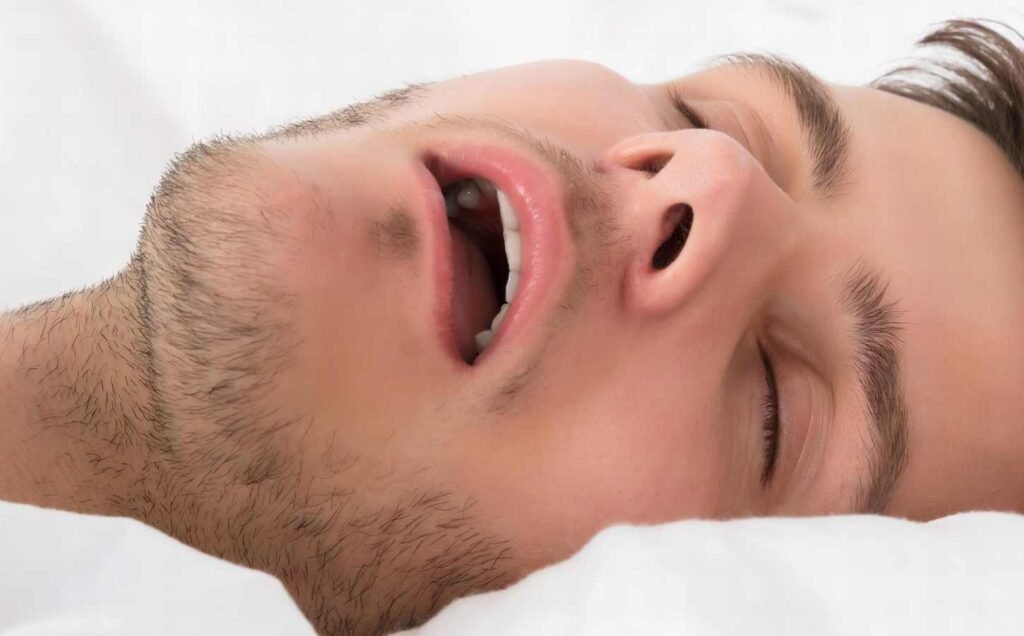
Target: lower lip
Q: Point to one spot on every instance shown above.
(537, 203)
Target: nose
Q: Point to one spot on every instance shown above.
(708, 224)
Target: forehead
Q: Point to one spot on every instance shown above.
(932, 201)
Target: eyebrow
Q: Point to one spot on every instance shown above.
(877, 361)
(824, 127)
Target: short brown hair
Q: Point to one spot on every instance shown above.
(978, 75)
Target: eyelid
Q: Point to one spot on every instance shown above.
(807, 411)
(683, 108)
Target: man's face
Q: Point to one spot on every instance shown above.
(862, 286)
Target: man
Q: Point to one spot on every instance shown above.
(742, 292)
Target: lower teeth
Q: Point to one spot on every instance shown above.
(483, 339)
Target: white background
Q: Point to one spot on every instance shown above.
(96, 96)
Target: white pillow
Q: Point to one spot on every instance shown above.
(66, 574)
(830, 575)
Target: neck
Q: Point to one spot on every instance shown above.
(75, 428)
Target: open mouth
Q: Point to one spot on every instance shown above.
(486, 259)
(506, 252)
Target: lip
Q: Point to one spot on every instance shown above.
(536, 197)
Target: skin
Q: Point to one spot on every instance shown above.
(262, 381)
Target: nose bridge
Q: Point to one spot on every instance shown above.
(741, 222)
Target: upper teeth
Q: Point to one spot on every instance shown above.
(469, 197)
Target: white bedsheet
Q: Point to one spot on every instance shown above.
(851, 575)
(66, 574)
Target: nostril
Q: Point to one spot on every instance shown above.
(652, 165)
(679, 220)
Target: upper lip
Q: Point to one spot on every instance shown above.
(535, 192)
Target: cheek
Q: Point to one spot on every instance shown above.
(639, 461)
(353, 302)
(553, 484)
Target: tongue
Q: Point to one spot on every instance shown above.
(474, 302)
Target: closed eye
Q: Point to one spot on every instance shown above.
(683, 108)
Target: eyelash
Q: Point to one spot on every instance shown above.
(683, 108)
(770, 423)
